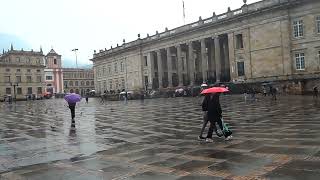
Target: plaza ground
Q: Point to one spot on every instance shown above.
(157, 139)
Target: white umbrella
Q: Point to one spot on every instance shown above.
(204, 85)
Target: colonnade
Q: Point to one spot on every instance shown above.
(190, 63)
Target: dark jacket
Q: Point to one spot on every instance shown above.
(212, 105)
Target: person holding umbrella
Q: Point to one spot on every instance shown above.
(211, 104)
(72, 100)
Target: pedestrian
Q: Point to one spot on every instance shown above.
(253, 94)
(87, 98)
(214, 113)
(72, 100)
(102, 98)
(315, 92)
(264, 91)
(274, 93)
(205, 116)
(245, 94)
(270, 90)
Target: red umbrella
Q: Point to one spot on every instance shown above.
(215, 90)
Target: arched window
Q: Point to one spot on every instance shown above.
(92, 83)
(82, 83)
(87, 83)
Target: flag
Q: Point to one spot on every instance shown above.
(184, 14)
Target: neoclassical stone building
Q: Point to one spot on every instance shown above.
(271, 40)
(21, 73)
(79, 80)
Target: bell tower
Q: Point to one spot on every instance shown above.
(53, 73)
(53, 60)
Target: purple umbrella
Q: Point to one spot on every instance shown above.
(72, 98)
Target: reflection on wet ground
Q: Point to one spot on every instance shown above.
(156, 138)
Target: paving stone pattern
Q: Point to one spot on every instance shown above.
(157, 139)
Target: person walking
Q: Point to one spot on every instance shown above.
(214, 114)
(315, 92)
(72, 100)
(274, 93)
(264, 91)
(205, 116)
(87, 98)
(102, 98)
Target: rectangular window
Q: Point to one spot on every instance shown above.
(38, 70)
(173, 64)
(39, 90)
(54, 61)
(29, 90)
(298, 28)
(7, 70)
(8, 90)
(76, 83)
(65, 84)
(48, 77)
(19, 90)
(300, 62)
(123, 84)
(7, 79)
(104, 71)
(145, 61)
(240, 67)
(121, 67)
(318, 24)
(18, 60)
(18, 70)
(109, 69)
(38, 78)
(18, 79)
(28, 70)
(239, 41)
(115, 67)
(104, 85)
(110, 84)
(29, 79)
(116, 84)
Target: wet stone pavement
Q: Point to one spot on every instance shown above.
(157, 139)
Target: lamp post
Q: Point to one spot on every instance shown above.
(75, 52)
(14, 90)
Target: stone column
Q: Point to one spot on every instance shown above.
(217, 58)
(179, 64)
(191, 63)
(225, 58)
(150, 61)
(232, 57)
(204, 60)
(212, 63)
(169, 63)
(160, 69)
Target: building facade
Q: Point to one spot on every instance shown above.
(271, 40)
(80, 81)
(21, 73)
(53, 73)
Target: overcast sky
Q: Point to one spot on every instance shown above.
(96, 24)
